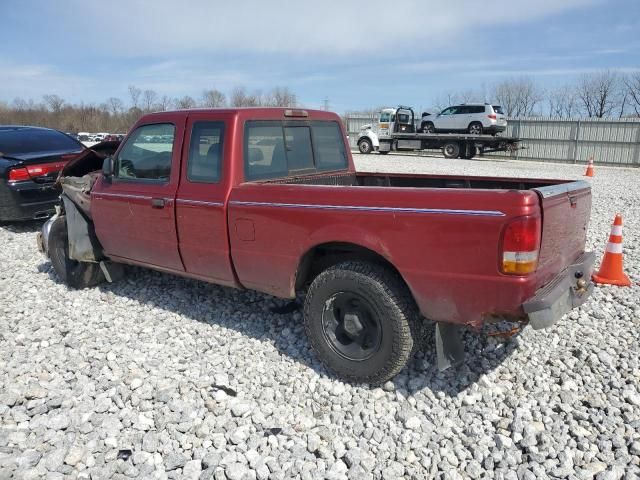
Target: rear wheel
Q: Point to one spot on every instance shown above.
(470, 153)
(365, 146)
(73, 273)
(361, 321)
(451, 150)
(475, 128)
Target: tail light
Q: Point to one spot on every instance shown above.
(18, 174)
(39, 170)
(521, 245)
(492, 116)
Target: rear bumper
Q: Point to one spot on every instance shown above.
(562, 294)
(495, 129)
(27, 201)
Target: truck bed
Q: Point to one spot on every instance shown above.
(442, 233)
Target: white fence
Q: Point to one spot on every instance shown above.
(615, 142)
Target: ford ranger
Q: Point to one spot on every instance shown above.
(269, 199)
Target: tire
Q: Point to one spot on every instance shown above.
(365, 146)
(361, 322)
(428, 127)
(475, 128)
(73, 273)
(451, 150)
(471, 154)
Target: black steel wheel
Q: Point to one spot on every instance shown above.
(350, 327)
(362, 321)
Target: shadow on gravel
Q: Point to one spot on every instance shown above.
(22, 227)
(278, 322)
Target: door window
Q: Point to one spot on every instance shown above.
(146, 155)
(204, 164)
(385, 117)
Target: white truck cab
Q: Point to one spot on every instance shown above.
(390, 120)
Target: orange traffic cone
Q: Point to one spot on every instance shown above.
(589, 172)
(611, 271)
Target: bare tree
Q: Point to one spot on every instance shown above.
(281, 97)
(54, 102)
(134, 93)
(518, 96)
(213, 98)
(148, 100)
(599, 93)
(240, 98)
(164, 103)
(562, 102)
(185, 102)
(632, 86)
(115, 105)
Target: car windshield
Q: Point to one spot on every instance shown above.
(27, 140)
(498, 109)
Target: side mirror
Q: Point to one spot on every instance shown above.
(107, 168)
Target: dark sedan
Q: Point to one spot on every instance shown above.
(30, 159)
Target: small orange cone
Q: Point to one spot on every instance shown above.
(589, 172)
(611, 271)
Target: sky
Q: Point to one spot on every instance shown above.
(357, 55)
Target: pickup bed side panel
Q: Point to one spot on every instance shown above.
(444, 242)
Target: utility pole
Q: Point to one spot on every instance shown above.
(325, 104)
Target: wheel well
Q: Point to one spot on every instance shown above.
(323, 256)
(363, 139)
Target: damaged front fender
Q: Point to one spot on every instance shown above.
(83, 243)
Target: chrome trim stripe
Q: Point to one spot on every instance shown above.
(199, 202)
(121, 195)
(442, 211)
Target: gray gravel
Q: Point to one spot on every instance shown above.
(162, 377)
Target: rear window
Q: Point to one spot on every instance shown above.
(274, 149)
(476, 109)
(23, 141)
(498, 109)
(205, 152)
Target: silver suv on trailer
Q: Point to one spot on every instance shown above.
(473, 118)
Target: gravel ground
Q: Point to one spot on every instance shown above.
(162, 377)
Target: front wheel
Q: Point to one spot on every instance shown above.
(365, 146)
(428, 127)
(73, 273)
(361, 321)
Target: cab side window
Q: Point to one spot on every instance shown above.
(204, 164)
(146, 156)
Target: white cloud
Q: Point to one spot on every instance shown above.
(300, 27)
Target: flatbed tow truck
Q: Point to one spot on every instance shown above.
(396, 131)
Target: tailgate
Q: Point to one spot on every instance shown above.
(565, 217)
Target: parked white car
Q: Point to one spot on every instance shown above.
(473, 118)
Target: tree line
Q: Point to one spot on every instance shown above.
(604, 94)
(116, 116)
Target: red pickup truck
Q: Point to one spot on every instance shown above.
(268, 199)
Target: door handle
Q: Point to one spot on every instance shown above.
(157, 203)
